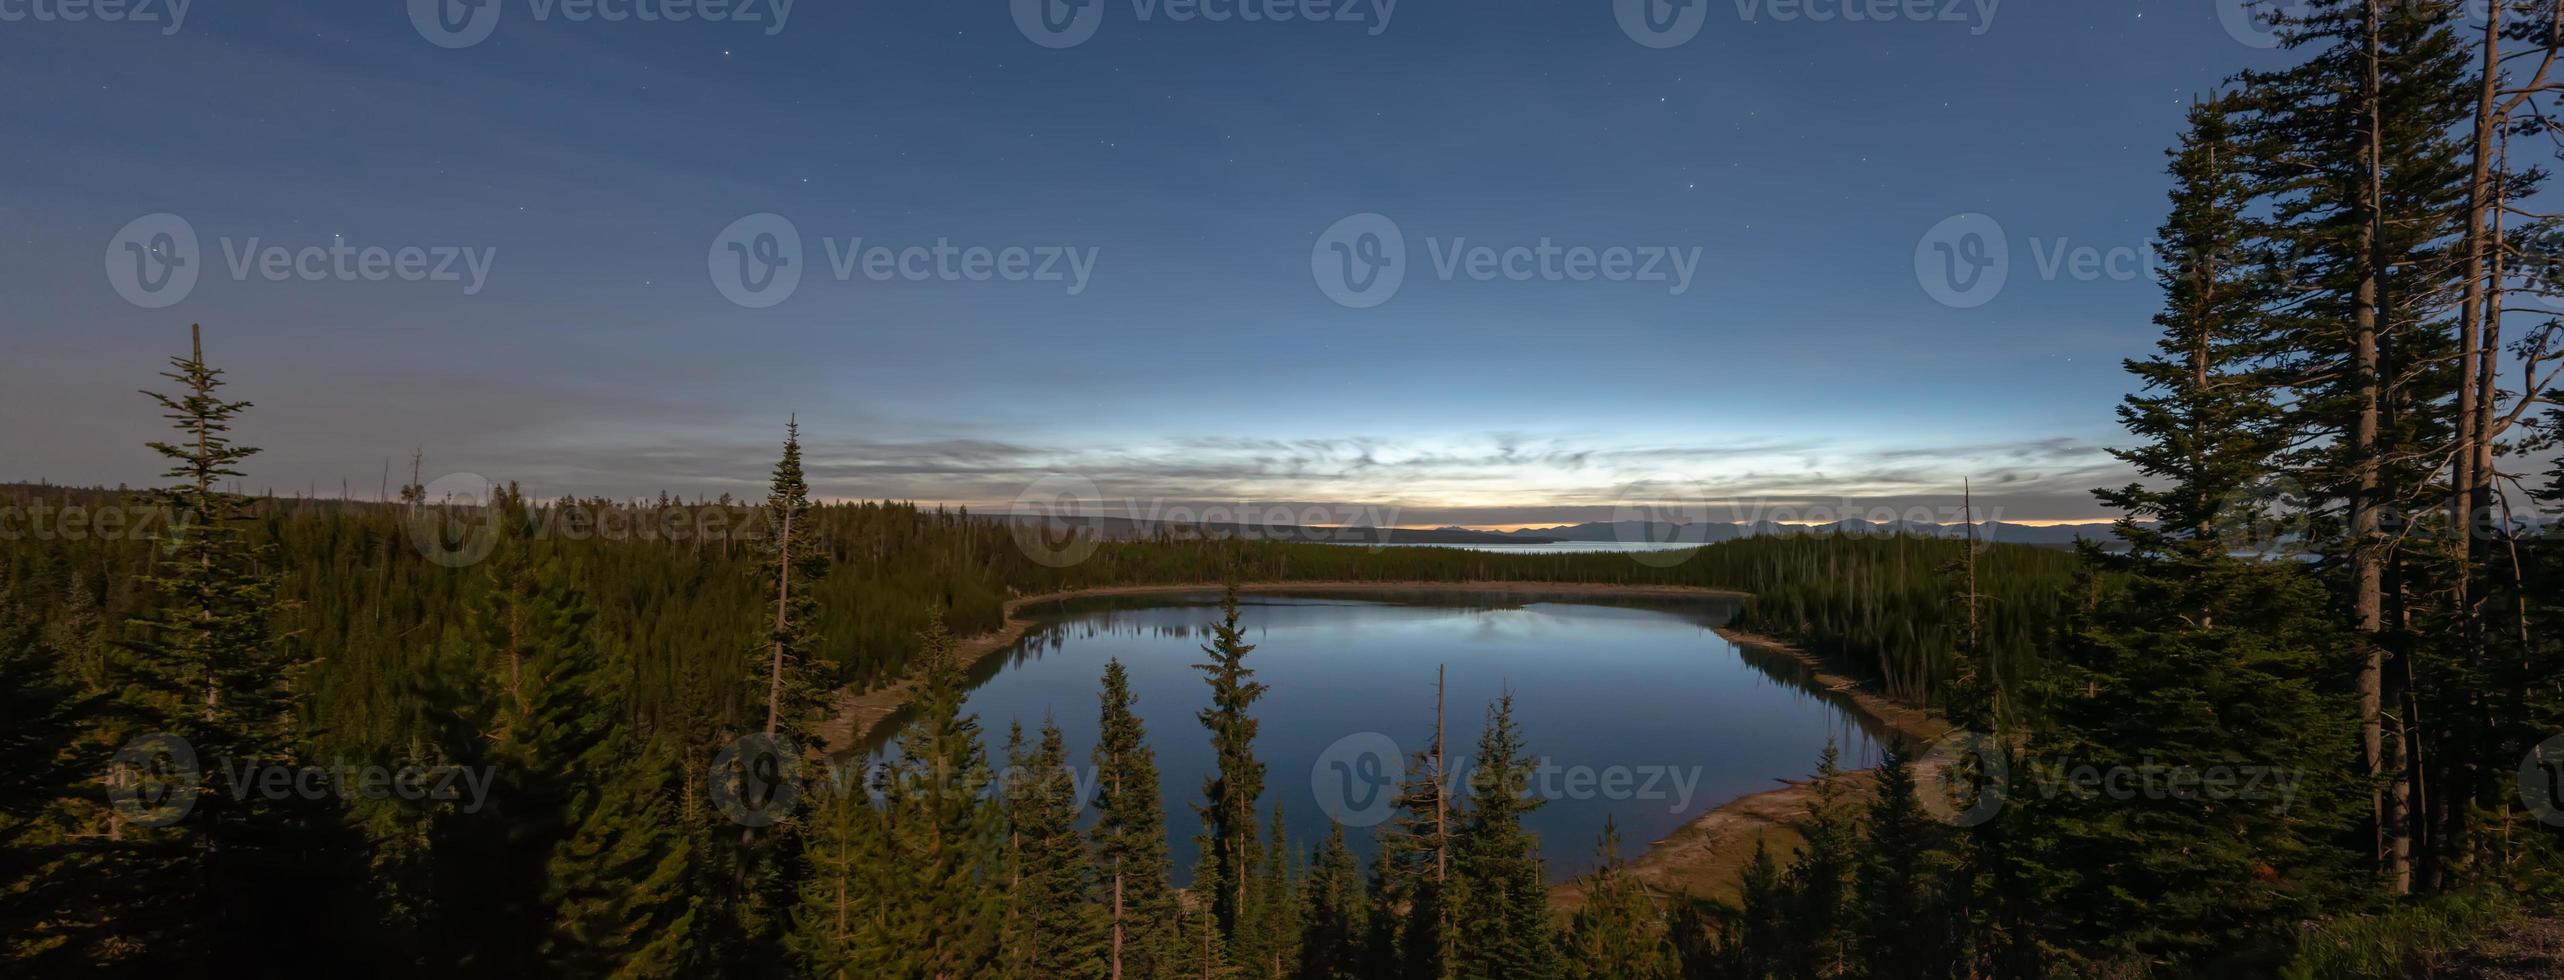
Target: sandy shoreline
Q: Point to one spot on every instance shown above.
(1699, 859)
(1706, 857)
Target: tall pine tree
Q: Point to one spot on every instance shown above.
(1229, 794)
(1619, 933)
(1502, 919)
(1130, 841)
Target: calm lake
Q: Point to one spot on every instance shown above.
(1643, 714)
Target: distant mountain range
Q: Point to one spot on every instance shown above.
(1711, 533)
(1125, 529)
(1629, 532)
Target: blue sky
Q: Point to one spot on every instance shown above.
(594, 165)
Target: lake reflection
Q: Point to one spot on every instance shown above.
(1649, 716)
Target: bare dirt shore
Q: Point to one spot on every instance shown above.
(1701, 859)
(1706, 858)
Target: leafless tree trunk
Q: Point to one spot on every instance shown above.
(2367, 544)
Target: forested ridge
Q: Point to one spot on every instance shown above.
(355, 578)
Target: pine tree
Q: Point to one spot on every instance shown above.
(1901, 927)
(1061, 925)
(790, 682)
(1754, 942)
(786, 687)
(2366, 180)
(533, 713)
(42, 764)
(1412, 891)
(945, 835)
(1619, 933)
(1272, 946)
(2191, 660)
(1130, 841)
(837, 920)
(1502, 922)
(1229, 794)
(1336, 916)
(207, 668)
(1203, 953)
(1819, 882)
(2207, 402)
(622, 885)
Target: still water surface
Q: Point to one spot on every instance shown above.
(1644, 715)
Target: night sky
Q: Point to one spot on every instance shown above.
(1801, 168)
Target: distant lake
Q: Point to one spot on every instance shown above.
(1550, 548)
(1650, 717)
